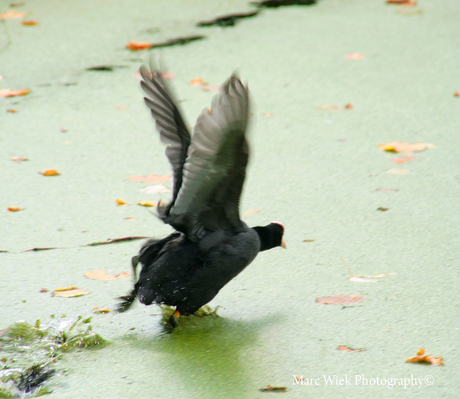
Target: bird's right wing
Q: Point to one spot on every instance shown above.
(169, 124)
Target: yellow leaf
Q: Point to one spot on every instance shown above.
(197, 82)
(69, 292)
(120, 202)
(13, 93)
(252, 211)
(135, 46)
(14, 208)
(399, 146)
(146, 203)
(102, 275)
(50, 172)
(10, 14)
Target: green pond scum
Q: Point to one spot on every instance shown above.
(29, 353)
(167, 311)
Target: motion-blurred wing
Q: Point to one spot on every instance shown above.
(215, 168)
(169, 124)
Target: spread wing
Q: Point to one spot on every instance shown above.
(169, 124)
(215, 167)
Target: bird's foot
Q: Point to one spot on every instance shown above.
(173, 318)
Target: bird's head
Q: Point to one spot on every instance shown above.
(271, 236)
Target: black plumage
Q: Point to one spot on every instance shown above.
(211, 244)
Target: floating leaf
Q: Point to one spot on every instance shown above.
(272, 388)
(42, 290)
(197, 82)
(39, 249)
(120, 202)
(64, 129)
(227, 20)
(29, 23)
(361, 280)
(403, 160)
(130, 218)
(11, 14)
(336, 107)
(13, 93)
(409, 3)
(136, 46)
(457, 94)
(101, 311)
(50, 172)
(355, 56)
(387, 189)
(114, 240)
(19, 3)
(340, 299)
(11, 110)
(69, 292)
(147, 203)
(399, 146)
(381, 208)
(398, 171)
(150, 178)
(210, 88)
(308, 240)
(102, 275)
(121, 106)
(252, 211)
(159, 188)
(168, 75)
(267, 114)
(344, 348)
(422, 358)
(14, 208)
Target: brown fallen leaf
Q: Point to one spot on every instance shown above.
(136, 46)
(121, 106)
(340, 299)
(42, 290)
(64, 129)
(197, 82)
(50, 172)
(272, 388)
(19, 159)
(422, 358)
(457, 94)
(336, 107)
(158, 188)
(355, 56)
(409, 3)
(11, 14)
(403, 160)
(308, 240)
(150, 178)
(102, 275)
(29, 23)
(69, 292)
(130, 218)
(348, 349)
(210, 88)
(19, 3)
(101, 311)
(13, 93)
(168, 75)
(397, 171)
(147, 203)
(14, 208)
(399, 146)
(11, 110)
(114, 240)
(252, 211)
(381, 208)
(267, 114)
(39, 249)
(120, 202)
(387, 189)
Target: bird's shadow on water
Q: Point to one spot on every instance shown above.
(211, 352)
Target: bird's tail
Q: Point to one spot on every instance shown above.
(128, 300)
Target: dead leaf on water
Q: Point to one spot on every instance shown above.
(101, 310)
(403, 160)
(11, 14)
(355, 56)
(29, 23)
(149, 204)
(12, 111)
(210, 88)
(130, 218)
(39, 249)
(308, 240)
(159, 188)
(197, 82)
(387, 189)
(114, 240)
(136, 46)
(102, 275)
(252, 211)
(398, 171)
(269, 388)
(457, 94)
(69, 292)
(121, 106)
(409, 3)
(120, 202)
(168, 75)
(50, 172)
(340, 299)
(345, 348)
(150, 178)
(422, 358)
(15, 208)
(381, 208)
(13, 93)
(399, 146)
(336, 107)
(361, 280)
(19, 159)
(267, 114)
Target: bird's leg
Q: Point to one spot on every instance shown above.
(173, 318)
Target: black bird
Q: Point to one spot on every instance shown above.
(211, 244)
